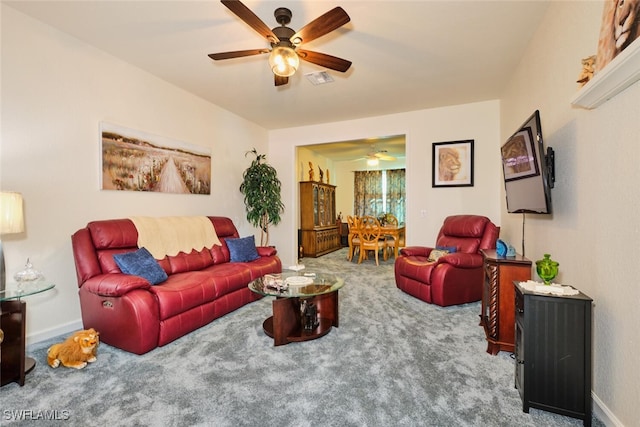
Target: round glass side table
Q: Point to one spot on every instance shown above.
(13, 324)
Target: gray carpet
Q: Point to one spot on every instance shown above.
(394, 361)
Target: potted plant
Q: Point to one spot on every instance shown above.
(261, 189)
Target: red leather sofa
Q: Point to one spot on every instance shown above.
(131, 314)
(455, 278)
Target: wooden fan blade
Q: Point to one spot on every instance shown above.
(385, 157)
(324, 60)
(320, 26)
(244, 13)
(236, 54)
(279, 80)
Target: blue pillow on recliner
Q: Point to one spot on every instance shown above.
(450, 249)
(141, 263)
(243, 249)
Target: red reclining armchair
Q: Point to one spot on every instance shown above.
(455, 277)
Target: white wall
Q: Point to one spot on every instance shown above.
(594, 230)
(55, 92)
(478, 121)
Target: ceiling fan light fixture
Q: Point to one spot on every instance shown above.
(284, 61)
(372, 161)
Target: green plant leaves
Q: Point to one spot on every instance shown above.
(262, 198)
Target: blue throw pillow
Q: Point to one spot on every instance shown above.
(450, 249)
(243, 249)
(141, 263)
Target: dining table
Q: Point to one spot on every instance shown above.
(397, 231)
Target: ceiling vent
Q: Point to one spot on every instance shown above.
(319, 78)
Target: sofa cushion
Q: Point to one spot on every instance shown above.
(229, 277)
(220, 254)
(141, 263)
(113, 233)
(243, 249)
(465, 245)
(184, 291)
(464, 226)
(195, 260)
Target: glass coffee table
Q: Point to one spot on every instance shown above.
(305, 308)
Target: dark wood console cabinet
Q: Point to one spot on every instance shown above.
(13, 363)
(498, 296)
(319, 230)
(553, 353)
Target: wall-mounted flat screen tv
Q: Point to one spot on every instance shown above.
(528, 170)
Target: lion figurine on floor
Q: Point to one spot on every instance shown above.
(76, 351)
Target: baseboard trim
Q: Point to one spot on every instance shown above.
(603, 413)
(54, 332)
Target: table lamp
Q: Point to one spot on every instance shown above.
(11, 222)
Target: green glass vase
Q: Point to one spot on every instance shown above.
(547, 269)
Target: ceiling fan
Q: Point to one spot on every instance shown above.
(284, 53)
(374, 156)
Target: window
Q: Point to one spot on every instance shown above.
(379, 192)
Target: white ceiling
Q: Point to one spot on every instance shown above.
(406, 55)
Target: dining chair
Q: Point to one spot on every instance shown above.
(353, 239)
(370, 232)
(392, 220)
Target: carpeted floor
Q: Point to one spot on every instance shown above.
(394, 361)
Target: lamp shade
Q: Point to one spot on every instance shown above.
(11, 214)
(284, 61)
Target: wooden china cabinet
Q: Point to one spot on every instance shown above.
(319, 231)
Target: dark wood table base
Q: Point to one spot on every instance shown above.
(285, 326)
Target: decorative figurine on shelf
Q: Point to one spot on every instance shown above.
(311, 172)
(547, 269)
(321, 173)
(588, 67)
(501, 248)
(504, 249)
(339, 218)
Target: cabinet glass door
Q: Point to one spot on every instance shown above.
(315, 205)
(322, 206)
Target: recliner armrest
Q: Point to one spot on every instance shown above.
(114, 284)
(266, 250)
(416, 251)
(462, 260)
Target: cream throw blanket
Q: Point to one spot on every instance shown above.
(173, 234)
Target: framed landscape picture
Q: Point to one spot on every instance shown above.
(452, 164)
(132, 160)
